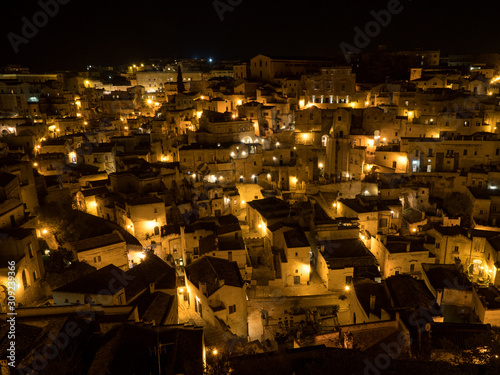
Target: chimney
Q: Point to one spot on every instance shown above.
(202, 287)
(322, 248)
(151, 288)
(408, 245)
(372, 302)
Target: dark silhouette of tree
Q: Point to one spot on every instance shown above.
(218, 364)
(180, 81)
(458, 204)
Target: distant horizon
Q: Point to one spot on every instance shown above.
(72, 34)
(216, 61)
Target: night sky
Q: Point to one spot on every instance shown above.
(111, 32)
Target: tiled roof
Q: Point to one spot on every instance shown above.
(227, 220)
(26, 336)
(154, 307)
(96, 282)
(95, 191)
(367, 288)
(150, 270)
(208, 244)
(402, 244)
(406, 291)
(127, 350)
(344, 248)
(446, 276)
(452, 231)
(490, 297)
(461, 335)
(211, 270)
(6, 178)
(346, 253)
(481, 193)
(228, 228)
(271, 208)
(412, 215)
(235, 244)
(296, 238)
(364, 205)
(97, 242)
(143, 201)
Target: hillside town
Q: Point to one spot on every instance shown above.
(276, 215)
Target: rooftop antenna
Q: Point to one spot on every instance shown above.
(159, 348)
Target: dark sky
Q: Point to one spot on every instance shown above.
(125, 31)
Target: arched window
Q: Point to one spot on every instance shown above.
(324, 140)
